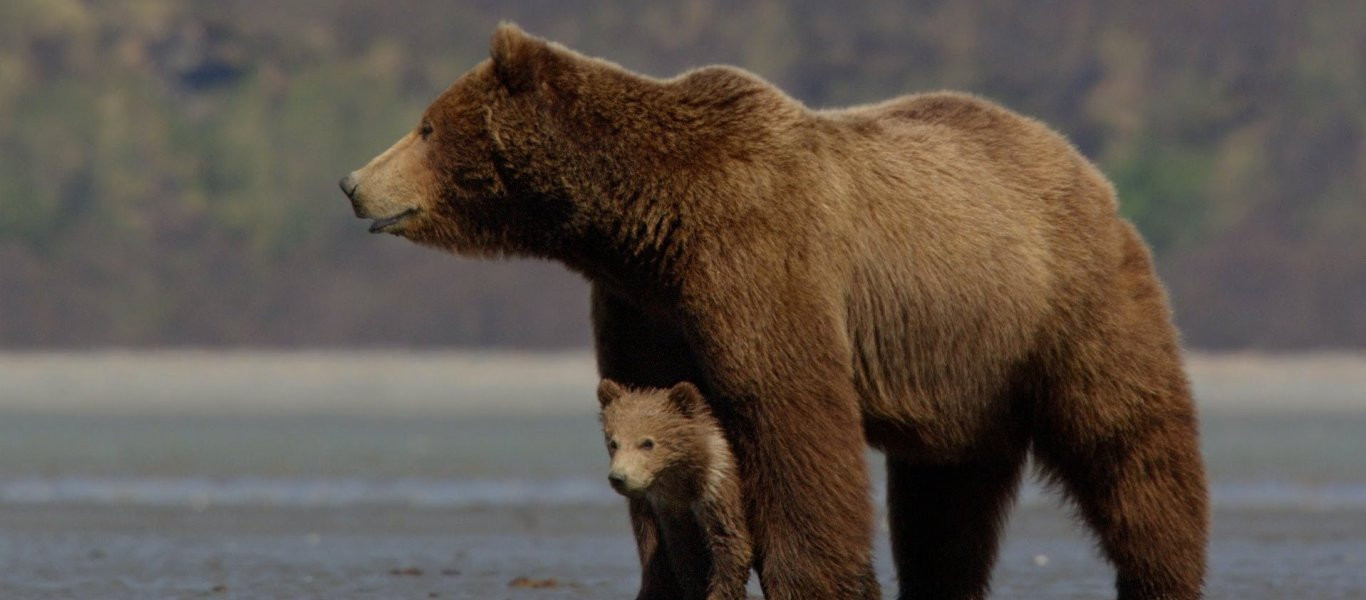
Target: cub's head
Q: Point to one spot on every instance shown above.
(657, 438)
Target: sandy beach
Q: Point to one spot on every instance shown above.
(449, 382)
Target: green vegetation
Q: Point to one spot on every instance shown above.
(167, 168)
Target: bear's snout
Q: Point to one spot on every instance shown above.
(348, 186)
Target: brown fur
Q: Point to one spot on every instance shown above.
(669, 453)
(936, 275)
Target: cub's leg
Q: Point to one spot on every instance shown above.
(722, 518)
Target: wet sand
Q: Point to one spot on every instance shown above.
(563, 552)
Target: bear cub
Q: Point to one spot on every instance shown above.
(669, 452)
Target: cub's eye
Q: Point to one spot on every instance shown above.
(426, 130)
(612, 446)
(647, 445)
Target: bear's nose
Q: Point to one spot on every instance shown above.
(617, 480)
(348, 185)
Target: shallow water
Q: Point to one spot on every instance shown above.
(252, 482)
(1255, 461)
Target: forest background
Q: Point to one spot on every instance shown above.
(168, 168)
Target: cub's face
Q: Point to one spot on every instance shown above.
(638, 455)
(653, 443)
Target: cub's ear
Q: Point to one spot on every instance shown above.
(520, 59)
(688, 399)
(608, 391)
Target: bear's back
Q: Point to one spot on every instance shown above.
(961, 131)
(962, 212)
(972, 181)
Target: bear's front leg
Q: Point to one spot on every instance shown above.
(810, 511)
(785, 394)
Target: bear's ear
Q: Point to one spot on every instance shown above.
(688, 399)
(608, 391)
(519, 59)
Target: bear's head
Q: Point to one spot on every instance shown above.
(660, 440)
(450, 181)
(539, 146)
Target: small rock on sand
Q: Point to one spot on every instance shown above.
(534, 584)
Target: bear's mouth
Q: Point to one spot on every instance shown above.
(387, 223)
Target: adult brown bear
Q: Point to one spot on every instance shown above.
(936, 275)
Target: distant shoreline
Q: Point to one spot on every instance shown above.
(416, 382)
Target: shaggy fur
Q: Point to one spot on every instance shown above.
(669, 453)
(934, 275)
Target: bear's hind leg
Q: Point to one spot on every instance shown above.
(946, 521)
(1142, 492)
(1117, 429)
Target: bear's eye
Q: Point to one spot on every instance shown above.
(648, 444)
(612, 446)
(426, 130)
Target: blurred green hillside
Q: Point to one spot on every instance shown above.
(168, 168)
